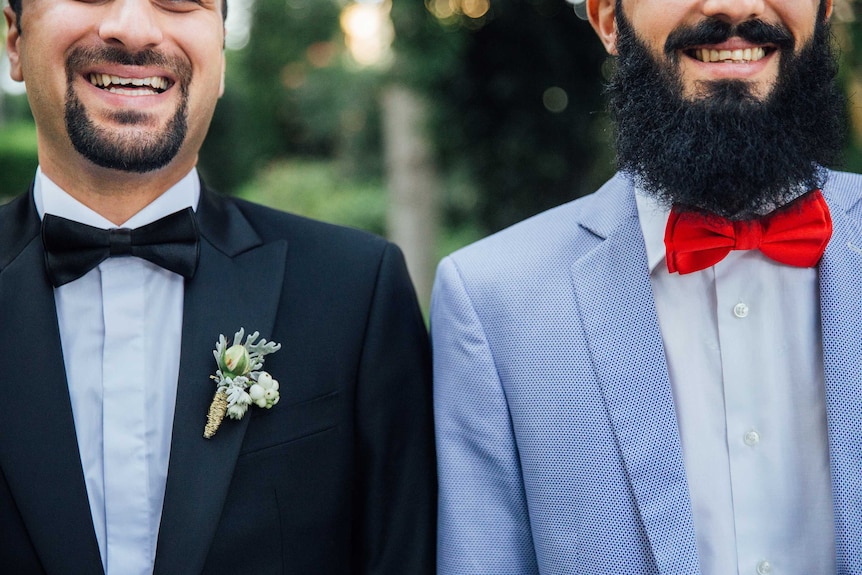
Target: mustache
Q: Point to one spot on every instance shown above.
(81, 57)
(715, 31)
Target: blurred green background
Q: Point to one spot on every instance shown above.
(431, 122)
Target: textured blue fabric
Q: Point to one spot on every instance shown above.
(557, 439)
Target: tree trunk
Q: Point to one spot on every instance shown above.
(413, 183)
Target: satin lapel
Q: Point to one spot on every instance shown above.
(237, 284)
(38, 445)
(614, 297)
(841, 317)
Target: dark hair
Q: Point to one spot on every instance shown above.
(16, 7)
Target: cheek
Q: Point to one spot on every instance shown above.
(653, 29)
(206, 56)
(45, 83)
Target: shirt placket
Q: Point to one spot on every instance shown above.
(124, 416)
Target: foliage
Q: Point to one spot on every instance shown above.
(229, 156)
(320, 190)
(18, 157)
(426, 50)
(276, 61)
(849, 38)
(317, 189)
(496, 124)
(292, 92)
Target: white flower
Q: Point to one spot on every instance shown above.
(258, 395)
(236, 411)
(269, 386)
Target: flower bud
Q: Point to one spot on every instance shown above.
(236, 360)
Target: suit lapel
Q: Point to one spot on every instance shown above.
(237, 284)
(38, 446)
(841, 317)
(612, 288)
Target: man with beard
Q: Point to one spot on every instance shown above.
(664, 376)
(126, 447)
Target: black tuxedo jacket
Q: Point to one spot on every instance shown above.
(338, 478)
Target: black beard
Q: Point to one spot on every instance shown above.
(138, 154)
(726, 152)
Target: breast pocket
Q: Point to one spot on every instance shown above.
(289, 422)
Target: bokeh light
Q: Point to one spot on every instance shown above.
(368, 32)
(555, 99)
(448, 10)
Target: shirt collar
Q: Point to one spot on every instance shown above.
(51, 199)
(653, 218)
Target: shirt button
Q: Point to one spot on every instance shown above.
(764, 568)
(740, 310)
(751, 439)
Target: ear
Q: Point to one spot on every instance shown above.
(13, 35)
(828, 4)
(602, 15)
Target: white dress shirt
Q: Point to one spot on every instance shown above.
(120, 329)
(744, 353)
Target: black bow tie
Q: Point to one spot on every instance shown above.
(72, 249)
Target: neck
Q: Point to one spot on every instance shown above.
(113, 194)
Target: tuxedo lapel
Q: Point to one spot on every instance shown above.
(38, 446)
(237, 284)
(614, 298)
(841, 317)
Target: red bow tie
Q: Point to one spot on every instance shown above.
(796, 235)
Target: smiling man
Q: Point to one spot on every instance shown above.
(127, 447)
(663, 376)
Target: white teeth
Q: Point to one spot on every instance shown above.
(746, 55)
(135, 92)
(105, 80)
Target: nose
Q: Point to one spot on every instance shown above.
(131, 23)
(734, 11)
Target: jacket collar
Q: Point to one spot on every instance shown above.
(238, 284)
(612, 287)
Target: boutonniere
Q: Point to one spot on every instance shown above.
(239, 379)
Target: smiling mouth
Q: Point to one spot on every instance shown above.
(151, 86)
(745, 56)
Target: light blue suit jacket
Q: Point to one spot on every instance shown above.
(558, 445)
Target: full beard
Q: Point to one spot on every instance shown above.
(726, 152)
(139, 151)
